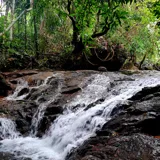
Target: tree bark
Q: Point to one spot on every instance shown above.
(142, 61)
(12, 19)
(25, 29)
(35, 33)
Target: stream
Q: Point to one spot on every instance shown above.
(81, 117)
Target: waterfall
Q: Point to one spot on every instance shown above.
(20, 85)
(42, 106)
(7, 129)
(77, 124)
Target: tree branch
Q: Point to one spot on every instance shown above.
(75, 29)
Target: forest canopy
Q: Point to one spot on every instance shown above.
(58, 33)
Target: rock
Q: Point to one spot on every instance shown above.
(129, 72)
(156, 67)
(147, 66)
(99, 101)
(23, 91)
(128, 135)
(53, 110)
(129, 66)
(102, 68)
(133, 147)
(4, 86)
(19, 73)
(142, 115)
(70, 90)
(145, 92)
(9, 156)
(45, 124)
(20, 112)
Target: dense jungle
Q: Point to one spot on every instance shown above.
(72, 34)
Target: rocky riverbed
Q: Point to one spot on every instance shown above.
(132, 133)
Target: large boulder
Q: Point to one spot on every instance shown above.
(142, 114)
(21, 112)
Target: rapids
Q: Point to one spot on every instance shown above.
(79, 120)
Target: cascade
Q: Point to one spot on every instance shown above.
(42, 106)
(21, 84)
(79, 120)
(8, 129)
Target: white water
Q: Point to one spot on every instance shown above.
(42, 106)
(7, 129)
(21, 84)
(76, 125)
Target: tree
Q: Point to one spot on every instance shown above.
(91, 19)
(138, 33)
(11, 5)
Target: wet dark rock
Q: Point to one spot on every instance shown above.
(21, 112)
(4, 86)
(9, 156)
(70, 90)
(133, 147)
(147, 91)
(6, 156)
(59, 90)
(52, 110)
(45, 124)
(103, 69)
(23, 91)
(99, 101)
(143, 116)
(14, 81)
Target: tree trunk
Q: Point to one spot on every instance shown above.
(12, 19)
(6, 16)
(78, 47)
(25, 30)
(35, 33)
(142, 61)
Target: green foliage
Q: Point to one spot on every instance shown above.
(138, 33)
(156, 8)
(56, 26)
